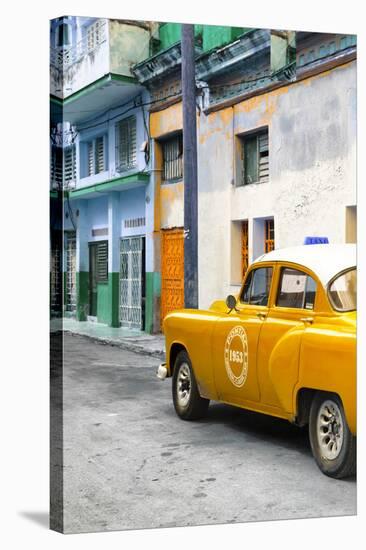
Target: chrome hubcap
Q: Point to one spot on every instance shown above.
(330, 430)
(183, 384)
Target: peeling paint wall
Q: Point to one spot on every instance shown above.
(312, 166)
(128, 44)
(170, 195)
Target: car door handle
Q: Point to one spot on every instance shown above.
(261, 315)
(307, 319)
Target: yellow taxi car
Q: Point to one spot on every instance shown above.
(285, 346)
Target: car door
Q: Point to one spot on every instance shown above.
(235, 340)
(291, 311)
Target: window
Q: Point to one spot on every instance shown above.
(101, 261)
(94, 156)
(257, 287)
(297, 289)
(255, 159)
(269, 237)
(95, 35)
(173, 158)
(244, 248)
(311, 56)
(126, 144)
(343, 291)
(332, 47)
(63, 165)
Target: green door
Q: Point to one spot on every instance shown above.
(93, 290)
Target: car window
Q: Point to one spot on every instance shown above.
(257, 286)
(343, 291)
(296, 289)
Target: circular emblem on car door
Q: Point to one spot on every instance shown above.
(236, 356)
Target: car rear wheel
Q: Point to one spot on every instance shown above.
(188, 403)
(333, 445)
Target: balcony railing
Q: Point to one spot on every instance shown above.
(95, 35)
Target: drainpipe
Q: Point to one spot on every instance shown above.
(190, 169)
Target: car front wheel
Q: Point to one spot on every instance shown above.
(333, 445)
(188, 403)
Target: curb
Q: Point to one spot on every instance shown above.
(160, 354)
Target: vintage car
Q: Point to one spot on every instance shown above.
(284, 346)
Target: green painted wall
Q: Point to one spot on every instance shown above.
(103, 303)
(215, 36)
(152, 300)
(113, 286)
(82, 295)
(108, 301)
(169, 33)
(212, 36)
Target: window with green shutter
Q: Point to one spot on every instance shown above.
(126, 157)
(254, 158)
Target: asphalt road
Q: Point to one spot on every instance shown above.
(131, 463)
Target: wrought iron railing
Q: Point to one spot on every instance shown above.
(65, 56)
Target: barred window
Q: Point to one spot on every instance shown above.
(173, 158)
(126, 157)
(255, 158)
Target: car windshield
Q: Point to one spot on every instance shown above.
(343, 291)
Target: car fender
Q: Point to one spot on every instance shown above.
(328, 363)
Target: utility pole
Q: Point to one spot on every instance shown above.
(190, 169)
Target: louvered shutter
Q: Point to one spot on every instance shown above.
(99, 155)
(126, 144)
(102, 262)
(69, 166)
(263, 158)
(90, 154)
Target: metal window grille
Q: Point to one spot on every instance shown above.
(71, 271)
(131, 280)
(269, 236)
(102, 262)
(56, 285)
(126, 157)
(173, 158)
(244, 248)
(255, 158)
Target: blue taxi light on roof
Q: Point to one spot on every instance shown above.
(316, 240)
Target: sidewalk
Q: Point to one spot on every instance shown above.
(129, 339)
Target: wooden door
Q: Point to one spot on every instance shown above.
(172, 271)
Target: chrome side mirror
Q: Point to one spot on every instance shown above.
(231, 302)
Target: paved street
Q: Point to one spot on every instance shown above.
(131, 463)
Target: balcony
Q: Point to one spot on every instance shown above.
(84, 51)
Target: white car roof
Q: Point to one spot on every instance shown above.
(325, 260)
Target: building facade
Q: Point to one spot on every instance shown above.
(276, 133)
(276, 150)
(100, 160)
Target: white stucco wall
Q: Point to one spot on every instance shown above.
(312, 159)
